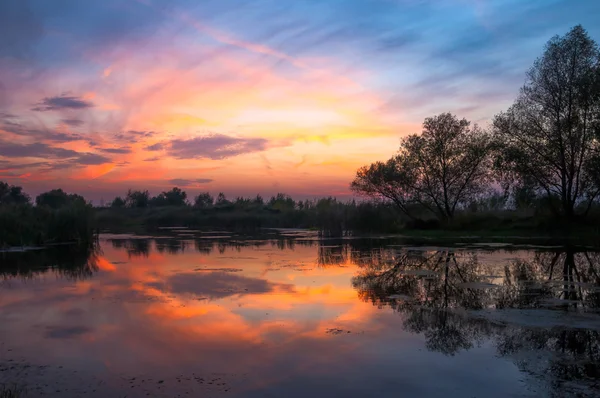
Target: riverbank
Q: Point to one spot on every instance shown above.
(498, 226)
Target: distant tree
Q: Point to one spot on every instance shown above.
(12, 194)
(445, 167)
(258, 200)
(525, 194)
(174, 197)
(118, 202)
(549, 137)
(203, 200)
(221, 199)
(242, 202)
(138, 199)
(57, 198)
(282, 201)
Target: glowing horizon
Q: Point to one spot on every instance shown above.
(96, 98)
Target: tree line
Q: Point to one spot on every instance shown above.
(543, 151)
(57, 217)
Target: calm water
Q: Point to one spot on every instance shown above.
(206, 315)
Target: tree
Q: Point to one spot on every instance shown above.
(57, 198)
(203, 200)
(442, 169)
(137, 198)
(386, 181)
(282, 202)
(222, 200)
(174, 197)
(548, 137)
(258, 200)
(118, 202)
(12, 194)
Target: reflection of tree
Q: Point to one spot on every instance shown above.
(203, 246)
(567, 279)
(70, 262)
(430, 287)
(446, 331)
(434, 279)
(134, 247)
(564, 357)
(330, 254)
(170, 246)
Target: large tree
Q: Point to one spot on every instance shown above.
(441, 169)
(549, 136)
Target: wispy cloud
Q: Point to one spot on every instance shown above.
(185, 182)
(122, 150)
(72, 122)
(215, 146)
(62, 102)
(155, 147)
(44, 151)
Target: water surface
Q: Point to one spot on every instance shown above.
(212, 314)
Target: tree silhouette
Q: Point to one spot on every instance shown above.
(203, 200)
(12, 194)
(547, 138)
(118, 202)
(57, 198)
(174, 197)
(442, 169)
(138, 199)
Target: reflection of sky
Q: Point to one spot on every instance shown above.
(133, 319)
(260, 95)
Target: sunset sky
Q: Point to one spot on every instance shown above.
(249, 97)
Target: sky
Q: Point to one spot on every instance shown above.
(253, 96)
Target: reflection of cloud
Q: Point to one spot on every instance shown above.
(62, 102)
(184, 182)
(215, 146)
(216, 285)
